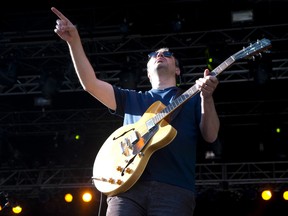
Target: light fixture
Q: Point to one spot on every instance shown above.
(177, 24)
(42, 101)
(68, 197)
(125, 26)
(242, 16)
(266, 194)
(285, 194)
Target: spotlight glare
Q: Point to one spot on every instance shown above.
(86, 197)
(285, 195)
(68, 197)
(266, 195)
(17, 209)
(77, 136)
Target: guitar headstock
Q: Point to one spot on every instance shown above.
(253, 49)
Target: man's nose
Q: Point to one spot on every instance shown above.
(160, 54)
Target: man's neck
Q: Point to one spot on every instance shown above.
(162, 83)
(162, 87)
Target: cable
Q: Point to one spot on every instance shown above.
(100, 204)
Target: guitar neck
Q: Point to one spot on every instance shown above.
(223, 66)
(190, 92)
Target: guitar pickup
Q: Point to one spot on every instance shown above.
(134, 138)
(150, 124)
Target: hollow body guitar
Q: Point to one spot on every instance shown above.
(124, 155)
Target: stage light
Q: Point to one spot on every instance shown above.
(266, 194)
(42, 101)
(285, 195)
(177, 26)
(17, 209)
(215, 53)
(68, 197)
(209, 59)
(77, 137)
(210, 64)
(87, 197)
(242, 16)
(74, 135)
(177, 23)
(125, 26)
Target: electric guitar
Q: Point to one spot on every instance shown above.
(124, 155)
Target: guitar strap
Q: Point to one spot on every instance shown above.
(176, 112)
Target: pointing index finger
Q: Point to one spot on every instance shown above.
(58, 13)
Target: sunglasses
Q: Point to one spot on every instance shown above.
(155, 54)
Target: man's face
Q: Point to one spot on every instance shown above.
(162, 60)
(159, 58)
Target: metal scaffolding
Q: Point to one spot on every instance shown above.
(40, 51)
(107, 55)
(235, 176)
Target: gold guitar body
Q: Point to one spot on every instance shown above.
(119, 164)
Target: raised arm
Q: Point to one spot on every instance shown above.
(210, 123)
(102, 91)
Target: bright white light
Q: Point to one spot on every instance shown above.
(242, 16)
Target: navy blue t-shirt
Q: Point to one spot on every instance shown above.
(175, 163)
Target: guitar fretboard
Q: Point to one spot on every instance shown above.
(175, 103)
(224, 65)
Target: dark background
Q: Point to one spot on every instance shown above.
(251, 98)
